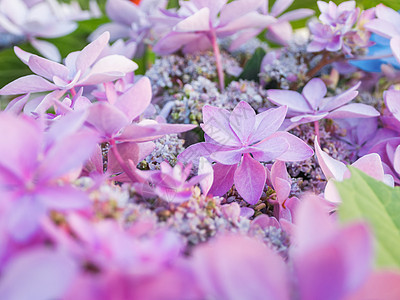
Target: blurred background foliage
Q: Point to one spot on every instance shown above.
(12, 68)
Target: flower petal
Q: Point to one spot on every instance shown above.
(250, 179)
(223, 179)
(314, 91)
(242, 120)
(294, 101)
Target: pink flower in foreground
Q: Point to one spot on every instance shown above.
(326, 262)
(237, 141)
(35, 167)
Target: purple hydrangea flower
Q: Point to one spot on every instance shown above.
(237, 141)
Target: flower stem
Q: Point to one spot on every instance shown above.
(316, 129)
(121, 162)
(218, 61)
(326, 59)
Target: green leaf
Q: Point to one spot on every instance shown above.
(365, 198)
(252, 67)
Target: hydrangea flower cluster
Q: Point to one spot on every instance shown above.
(205, 175)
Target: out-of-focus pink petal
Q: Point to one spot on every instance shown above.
(199, 21)
(243, 37)
(236, 9)
(252, 19)
(250, 179)
(280, 32)
(392, 101)
(174, 41)
(59, 160)
(395, 46)
(47, 49)
(223, 179)
(19, 134)
(379, 285)
(44, 273)
(314, 91)
(384, 12)
(106, 119)
(27, 84)
(280, 6)
(383, 28)
(136, 99)
(246, 278)
(296, 14)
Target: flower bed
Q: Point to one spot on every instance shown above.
(200, 151)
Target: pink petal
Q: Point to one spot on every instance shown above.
(216, 126)
(44, 273)
(109, 68)
(388, 14)
(135, 152)
(267, 123)
(280, 32)
(223, 179)
(227, 157)
(47, 68)
(341, 99)
(19, 134)
(199, 21)
(136, 99)
(250, 179)
(59, 160)
(370, 164)
(354, 110)
(292, 99)
(298, 150)
(395, 46)
(280, 6)
(280, 180)
(27, 84)
(250, 20)
(331, 167)
(106, 119)
(205, 168)
(396, 160)
(47, 49)
(63, 198)
(16, 105)
(379, 285)
(259, 274)
(91, 52)
(383, 28)
(193, 152)
(236, 9)
(314, 91)
(243, 37)
(173, 42)
(296, 14)
(270, 149)
(392, 101)
(242, 120)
